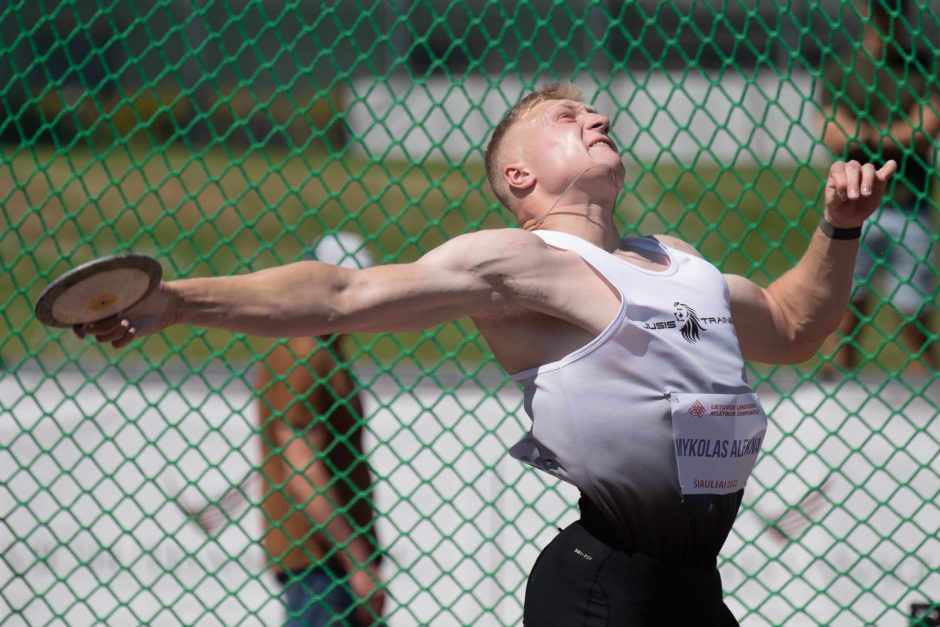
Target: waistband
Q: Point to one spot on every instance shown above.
(596, 523)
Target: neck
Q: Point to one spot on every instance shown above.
(591, 223)
(576, 201)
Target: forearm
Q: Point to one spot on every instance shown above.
(786, 322)
(813, 295)
(293, 300)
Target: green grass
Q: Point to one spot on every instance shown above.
(222, 212)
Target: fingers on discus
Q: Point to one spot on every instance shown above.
(111, 332)
(113, 337)
(129, 336)
(102, 327)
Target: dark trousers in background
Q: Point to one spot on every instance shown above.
(317, 597)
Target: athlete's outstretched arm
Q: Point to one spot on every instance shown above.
(787, 321)
(468, 275)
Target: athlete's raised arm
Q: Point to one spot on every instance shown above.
(787, 321)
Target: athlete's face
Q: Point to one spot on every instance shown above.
(564, 139)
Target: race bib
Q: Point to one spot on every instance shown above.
(717, 438)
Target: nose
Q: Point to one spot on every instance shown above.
(599, 122)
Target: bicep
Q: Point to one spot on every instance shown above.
(760, 323)
(459, 279)
(408, 297)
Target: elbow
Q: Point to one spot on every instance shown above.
(802, 331)
(804, 343)
(792, 346)
(802, 352)
(787, 355)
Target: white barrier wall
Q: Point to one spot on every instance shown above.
(93, 473)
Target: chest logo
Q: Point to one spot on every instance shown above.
(690, 325)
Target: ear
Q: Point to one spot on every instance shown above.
(518, 177)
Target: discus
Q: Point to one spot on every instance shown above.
(98, 290)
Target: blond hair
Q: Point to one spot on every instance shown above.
(553, 91)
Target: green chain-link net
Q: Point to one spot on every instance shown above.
(224, 137)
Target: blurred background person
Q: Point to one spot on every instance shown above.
(878, 104)
(317, 502)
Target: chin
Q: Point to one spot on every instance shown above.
(613, 169)
(619, 174)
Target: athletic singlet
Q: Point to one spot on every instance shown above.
(657, 394)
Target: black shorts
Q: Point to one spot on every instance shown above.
(580, 580)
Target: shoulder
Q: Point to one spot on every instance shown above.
(487, 249)
(496, 239)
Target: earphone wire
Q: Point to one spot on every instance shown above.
(545, 215)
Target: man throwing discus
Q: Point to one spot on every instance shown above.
(630, 352)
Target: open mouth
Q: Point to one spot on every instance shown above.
(603, 142)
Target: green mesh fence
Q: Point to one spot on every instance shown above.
(224, 137)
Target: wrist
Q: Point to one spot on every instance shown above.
(174, 302)
(834, 232)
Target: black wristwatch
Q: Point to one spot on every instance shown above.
(833, 232)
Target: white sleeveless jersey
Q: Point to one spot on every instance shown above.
(614, 417)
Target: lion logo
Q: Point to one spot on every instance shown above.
(690, 325)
